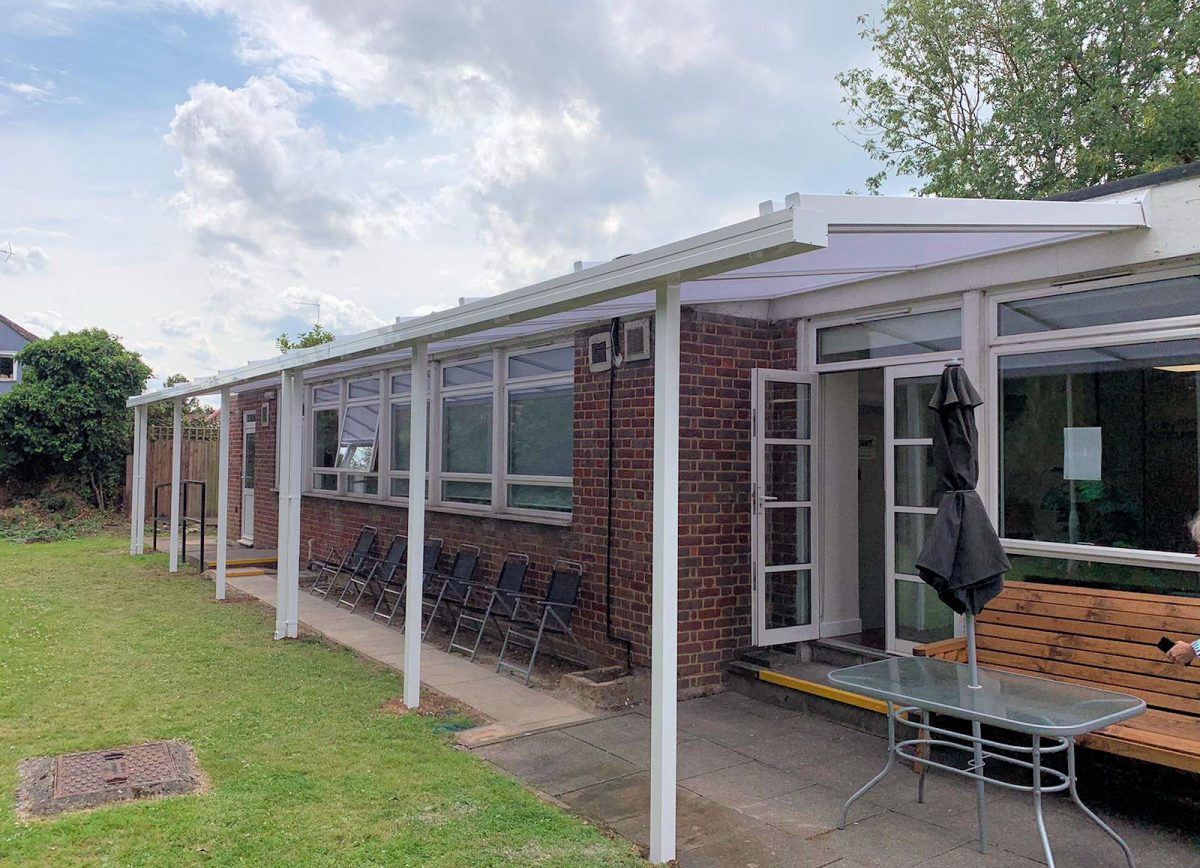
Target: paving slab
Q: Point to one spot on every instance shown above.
(556, 763)
(810, 811)
(741, 785)
(512, 707)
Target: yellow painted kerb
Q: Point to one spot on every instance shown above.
(823, 690)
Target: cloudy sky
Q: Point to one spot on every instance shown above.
(189, 174)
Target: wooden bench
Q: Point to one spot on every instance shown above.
(1103, 639)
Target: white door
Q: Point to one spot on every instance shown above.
(784, 511)
(249, 451)
(915, 615)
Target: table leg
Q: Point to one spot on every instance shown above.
(1095, 819)
(1037, 798)
(891, 761)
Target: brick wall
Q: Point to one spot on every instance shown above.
(717, 355)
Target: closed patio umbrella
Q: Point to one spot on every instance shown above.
(962, 558)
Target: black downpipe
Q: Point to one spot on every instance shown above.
(608, 545)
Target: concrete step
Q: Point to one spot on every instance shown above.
(838, 654)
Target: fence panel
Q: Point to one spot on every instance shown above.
(199, 459)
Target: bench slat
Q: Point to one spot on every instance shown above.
(1077, 591)
(1096, 615)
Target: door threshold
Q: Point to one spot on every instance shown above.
(246, 543)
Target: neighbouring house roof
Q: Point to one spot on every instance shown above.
(21, 330)
(1124, 185)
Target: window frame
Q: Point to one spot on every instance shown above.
(1139, 332)
(16, 367)
(497, 390)
(815, 325)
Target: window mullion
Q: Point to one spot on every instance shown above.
(499, 430)
(433, 492)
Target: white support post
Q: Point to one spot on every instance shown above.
(137, 484)
(176, 479)
(665, 600)
(416, 525)
(291, 429)
(223, 495)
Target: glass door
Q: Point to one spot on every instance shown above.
(783, 507)
(915, 615)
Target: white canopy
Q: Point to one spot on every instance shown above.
(816, 242)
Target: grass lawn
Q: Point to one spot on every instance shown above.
(98, 649)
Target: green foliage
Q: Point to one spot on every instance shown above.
(1026, 98)
(67, 417)
(194, 413)
(102, 649)
(315, 337)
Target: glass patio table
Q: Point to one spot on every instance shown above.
(1049, 713)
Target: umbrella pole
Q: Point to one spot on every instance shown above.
(976, 734)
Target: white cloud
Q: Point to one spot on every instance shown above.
(23, 260)
(45, 322)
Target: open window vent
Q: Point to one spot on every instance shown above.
(600, 352)
(636, 342)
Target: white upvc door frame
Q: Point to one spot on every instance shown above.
(250, 429)
(891, 374)
(762, 504)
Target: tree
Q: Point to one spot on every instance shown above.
(1026, 98)
(315, 337)
(194, 413)
(67, 416)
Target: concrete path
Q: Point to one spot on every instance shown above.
(764, 786)
(512, 708)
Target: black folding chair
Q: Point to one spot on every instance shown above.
(550, 615)
(379, 573)
(501, 602)
(395, 591)
(456, 584)
(353, 562)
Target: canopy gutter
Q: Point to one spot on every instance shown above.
(765, 238)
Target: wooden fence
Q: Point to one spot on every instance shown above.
(200, 460)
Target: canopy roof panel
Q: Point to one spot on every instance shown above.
(815, 243)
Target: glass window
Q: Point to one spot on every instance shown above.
(1095, 574)
(356, 451)
(401, 436)
(1157, 299)
(330, 393)
(8, 367)
(920, 616)
(467, 434)
(542, 362)
(548, 497)
(541, 431)
(402, 383)
(461, 491)
(935, 332)
(360, 484)
(365, 388)
(325, 482)
(468, 373)
(325, 438)
(1100, 447)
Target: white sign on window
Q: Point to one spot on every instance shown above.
(1081, 453)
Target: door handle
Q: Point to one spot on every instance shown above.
(767, 497)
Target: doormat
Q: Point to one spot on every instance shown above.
(76, 781)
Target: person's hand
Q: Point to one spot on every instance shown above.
(1182, 653)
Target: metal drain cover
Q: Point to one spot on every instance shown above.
(73, 781)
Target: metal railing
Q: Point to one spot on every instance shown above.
(184, 519)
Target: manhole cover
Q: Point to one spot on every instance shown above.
(51, 785)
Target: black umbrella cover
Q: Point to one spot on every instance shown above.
(962, 558)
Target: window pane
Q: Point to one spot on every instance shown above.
(550, 497)
(916, 480)
(787, 536)
(249, 459)
(478, 371)
(1158, 299)
(920, 615)
(788, 410)
(789, 598)
(542, 362)
(401, 384)
(325, 435)
(7, 366)
(325, 482)
(911, 530)
(940, 331)
(400, 487)
(357, 448)
(467, 492)
(914, 420)
(330, 393)
(357, 484)
(1093, 574)
(401, 435)
(365, 388)
(785, 472)
(1099, 446)
(541, 431)
(467, 434)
